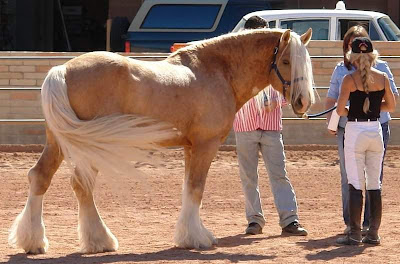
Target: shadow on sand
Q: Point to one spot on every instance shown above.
(339, 251)
(172, 254)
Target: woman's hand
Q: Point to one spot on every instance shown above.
(332, 132)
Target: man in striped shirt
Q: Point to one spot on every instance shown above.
(258, 126)
(260, 129)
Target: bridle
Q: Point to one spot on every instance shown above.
(287, 84)
(274, 66)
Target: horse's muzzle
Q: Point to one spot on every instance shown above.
(301, 106)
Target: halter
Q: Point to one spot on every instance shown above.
(274, 66)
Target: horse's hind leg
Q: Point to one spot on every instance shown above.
(28, 231)
(94, 235)
(190, 231)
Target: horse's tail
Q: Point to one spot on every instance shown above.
(108, 144)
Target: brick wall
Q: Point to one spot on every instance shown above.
(322, 67)
(25, 69)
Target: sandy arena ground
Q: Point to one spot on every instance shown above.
(142, 213)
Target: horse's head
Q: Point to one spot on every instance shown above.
(291, 71)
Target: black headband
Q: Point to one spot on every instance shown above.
(361, 45)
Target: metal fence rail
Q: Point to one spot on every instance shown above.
(146, 56)
(26, 121)
(163, 56)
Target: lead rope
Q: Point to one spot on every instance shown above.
(321, 113)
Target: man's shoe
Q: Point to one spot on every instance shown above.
(253, 229)
(295, 229)
(348, 240)
(364, 230)
(368, 239)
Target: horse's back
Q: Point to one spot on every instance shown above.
(97, 82)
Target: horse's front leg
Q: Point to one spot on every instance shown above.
(190, 231)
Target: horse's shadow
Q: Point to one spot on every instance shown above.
(329, 254)
(171, 254)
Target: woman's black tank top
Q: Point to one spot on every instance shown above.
(357, 99)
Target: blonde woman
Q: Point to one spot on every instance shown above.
(369, 93)
(342, 69)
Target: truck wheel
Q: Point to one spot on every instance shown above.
(119, 27)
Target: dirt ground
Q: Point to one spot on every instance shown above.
(142, 213)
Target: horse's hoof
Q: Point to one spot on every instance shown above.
(96, 250)
(205, 241)
(109, 244)
(36, 251)
(212, 243)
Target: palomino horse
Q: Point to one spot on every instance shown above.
(104, 110)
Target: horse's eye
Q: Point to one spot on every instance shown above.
(285, 62)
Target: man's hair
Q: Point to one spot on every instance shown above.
(256, 22)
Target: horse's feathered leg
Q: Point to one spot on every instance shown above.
(28, 230)
(94, 235)
(190, 231)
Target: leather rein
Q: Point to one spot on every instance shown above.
(286, 84)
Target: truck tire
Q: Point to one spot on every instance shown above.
(119, 27)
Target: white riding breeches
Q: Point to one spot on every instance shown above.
(363, 151)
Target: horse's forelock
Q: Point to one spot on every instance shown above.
(300, 68)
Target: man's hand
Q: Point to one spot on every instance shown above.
(271, 106)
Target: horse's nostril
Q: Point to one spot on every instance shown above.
(300, 103)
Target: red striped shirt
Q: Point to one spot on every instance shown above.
(252, 119)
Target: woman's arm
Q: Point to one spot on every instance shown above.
(329, 103)
(389, 103)
(344, 96)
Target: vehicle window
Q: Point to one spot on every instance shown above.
(240, 25)
(345, 24)
(181, 17)
(272, 24)
(373, 33)
(320, 27)
(389, 28)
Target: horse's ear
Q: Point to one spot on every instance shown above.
(285, 37)
(306, 37)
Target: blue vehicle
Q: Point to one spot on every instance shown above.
(161, 23)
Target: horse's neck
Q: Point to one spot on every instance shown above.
(243, 61)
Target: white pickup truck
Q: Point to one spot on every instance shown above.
(329, 24)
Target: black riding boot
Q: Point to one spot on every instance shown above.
(375, 199)
(355, 208)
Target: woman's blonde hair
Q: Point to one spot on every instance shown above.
(353, 32)
(364, 61)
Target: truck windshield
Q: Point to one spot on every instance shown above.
(389, 28)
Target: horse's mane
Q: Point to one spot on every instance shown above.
(300, 59)
(244, 35)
